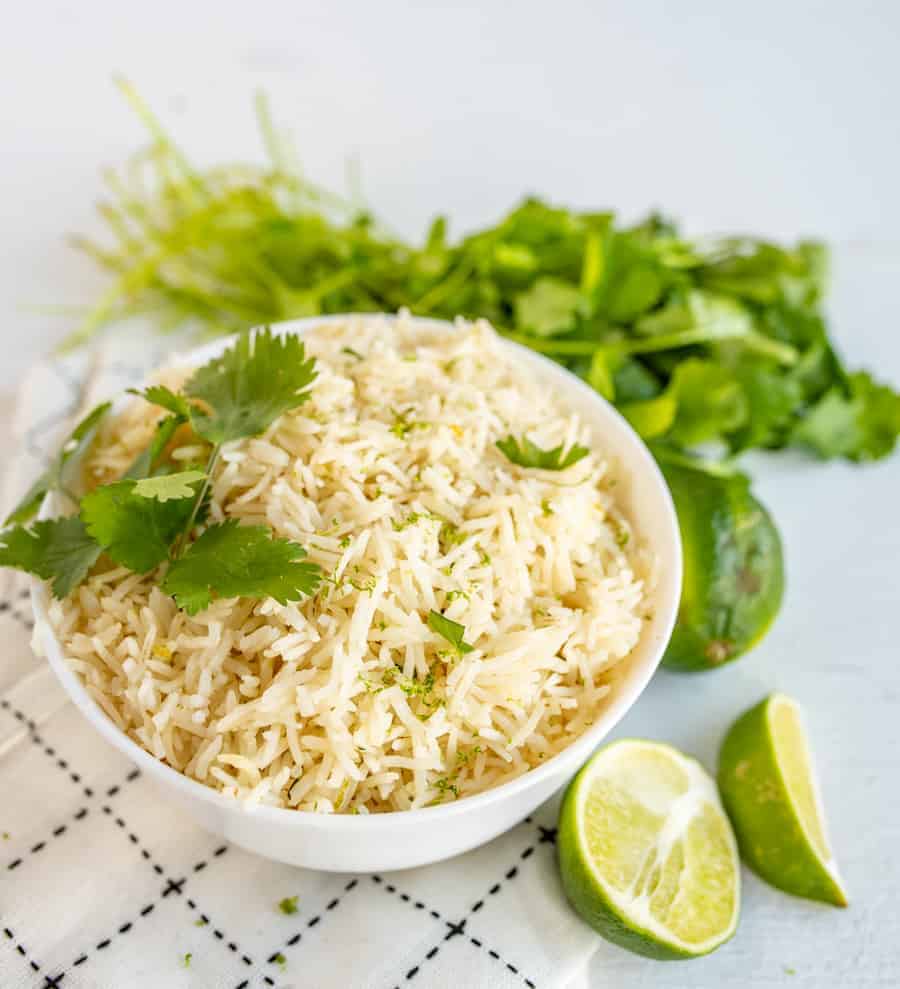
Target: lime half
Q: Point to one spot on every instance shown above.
(646, 852)
(770, 791)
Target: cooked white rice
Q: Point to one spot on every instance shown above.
(390, 478)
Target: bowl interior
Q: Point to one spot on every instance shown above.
(640, 490)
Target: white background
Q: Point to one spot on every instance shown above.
(767, 117)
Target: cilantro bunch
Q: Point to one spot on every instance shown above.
(149, 520)
(718, 342)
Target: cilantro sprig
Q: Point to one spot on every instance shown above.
(527, 454)
(718, 341)
(53, 478)
(148, 519)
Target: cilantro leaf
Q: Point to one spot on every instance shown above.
(144, 463)
(863, 425)
(452, 631)
(59, 550)
(526, 454)
(246, 389)
(232, 560)
(72, 451)
(169, 486)
(654, 416)
(550, 306)
(135, 531)
(166, 399)
(711, 402)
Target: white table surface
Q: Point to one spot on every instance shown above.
(769, 117)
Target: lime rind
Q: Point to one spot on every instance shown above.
(821, 842)
(772, 828)
(627, 917)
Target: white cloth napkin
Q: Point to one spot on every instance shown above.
(104, 885)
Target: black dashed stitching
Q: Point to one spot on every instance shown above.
(313, 921)
(80, 960)
(458, 928)
(547, 835)
(20, 948)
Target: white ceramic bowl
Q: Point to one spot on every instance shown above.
(403, 839)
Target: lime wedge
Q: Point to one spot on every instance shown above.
(646, 852)
(770, 791)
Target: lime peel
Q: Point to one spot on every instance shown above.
(770, 790)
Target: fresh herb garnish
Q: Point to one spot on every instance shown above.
(450, 630)
(186, 961)
(446, 785)
(165, 398)
(146, 520)
(169, 486)
(526, 454)
(254, 382)
(288, 905)
(136, 531)
(232, 560)
(279, 959)
(59, 550)
(52, 479)
(145, 462)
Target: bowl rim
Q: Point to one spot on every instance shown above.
(624, 697)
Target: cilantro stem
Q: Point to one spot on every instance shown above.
(198, 501)
(550, 345)
(437, 293)
(781, 352)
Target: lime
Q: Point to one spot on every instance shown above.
(770, 791)
(733, 569)
(646, 852)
